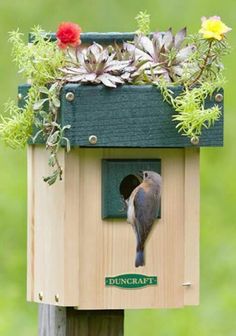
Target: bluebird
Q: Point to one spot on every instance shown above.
(143, 205)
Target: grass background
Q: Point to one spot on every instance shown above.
(216, 314)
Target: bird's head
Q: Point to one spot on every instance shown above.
(152, 177)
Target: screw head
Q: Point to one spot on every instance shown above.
(187, 284)
(194, 140)
(219, 97)
(70, 96)
(93, 139)
(57, 297)
(41, 296)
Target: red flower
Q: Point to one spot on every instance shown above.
(68, 34)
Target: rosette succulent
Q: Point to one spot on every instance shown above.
(98, 65)
(163, 55)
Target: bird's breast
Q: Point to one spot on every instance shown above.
(130, 211)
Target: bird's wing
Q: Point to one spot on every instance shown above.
(146, 205)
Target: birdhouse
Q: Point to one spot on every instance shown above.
(81, 249)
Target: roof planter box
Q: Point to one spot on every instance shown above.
(126, 116)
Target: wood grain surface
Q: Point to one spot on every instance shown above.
(192, 226)
(60, 321)
(71, 249)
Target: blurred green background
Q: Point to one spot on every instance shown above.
(217, 313)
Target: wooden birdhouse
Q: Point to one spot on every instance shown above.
(81, 249)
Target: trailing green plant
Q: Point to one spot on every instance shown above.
(202, 76)
(191, 114)
(40, 62)
(49, 128)
(162, 59)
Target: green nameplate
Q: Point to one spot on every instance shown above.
(131, 281)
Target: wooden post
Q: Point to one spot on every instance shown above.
(59, 321)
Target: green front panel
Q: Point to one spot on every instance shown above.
(114, 171)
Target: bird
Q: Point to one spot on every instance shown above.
(142, 208)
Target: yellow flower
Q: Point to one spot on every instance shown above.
(213, 28)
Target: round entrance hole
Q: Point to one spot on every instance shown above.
(128, 184)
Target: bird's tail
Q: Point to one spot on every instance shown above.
(139, 261)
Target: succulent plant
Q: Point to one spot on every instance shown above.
(133, 69)
(163, 55)
(98, 65)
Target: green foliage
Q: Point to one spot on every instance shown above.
(189, 106)
(54, 142)
(203, 75)
(143, 22)
(192, 115)
(40, 61)
(49, 128)
(16, 128)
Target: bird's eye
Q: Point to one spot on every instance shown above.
(145, 175)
